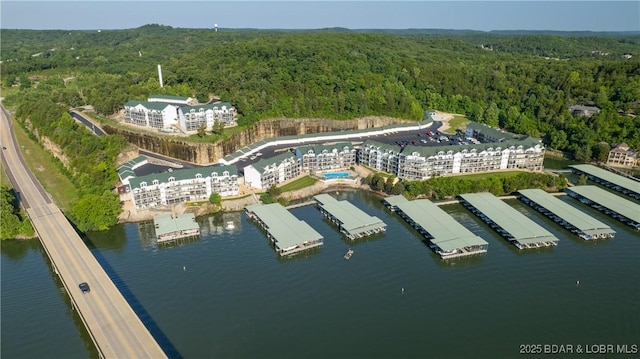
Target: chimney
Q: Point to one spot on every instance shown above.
(160, 75)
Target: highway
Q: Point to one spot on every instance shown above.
(112, 324)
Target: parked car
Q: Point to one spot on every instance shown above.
(84, 287)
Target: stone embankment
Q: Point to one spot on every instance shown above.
(207, 153)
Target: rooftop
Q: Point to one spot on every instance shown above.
(572, 215)
(287, 230)
(447, 233)
(522, 229)
(352, 218)
(610, 177)
(184, 174)
(609, 200)
(166, 224)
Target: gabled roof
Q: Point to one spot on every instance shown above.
(210, 106)
(428, 151)
(383, 146)
(319, 148)
(490, 131)
(266, 162)
(158, 106)
(183, 174)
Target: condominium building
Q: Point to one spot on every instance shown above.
(167, 112)
(380, 156)
(326, 157)
(487, 134)
(418, 163)
(193, 117)
(151, 114)
(268, 172)
(622, 156)
(193, 184)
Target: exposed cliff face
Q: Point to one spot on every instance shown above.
(205, 153)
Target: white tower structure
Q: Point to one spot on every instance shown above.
(160, 75)
(215, 27)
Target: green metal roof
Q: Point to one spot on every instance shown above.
(447, 233)
(523, 229)
(491, 132)
(158, 106)
(166, 223)
(383, 146)
(317, 149)
(610, 177)
(212, 106)
(609, 200)
(572, 215)
(287, 230)
(183, 174)
(428, 151)
(352, 218)
(275, 160)
(395, 200)
(126, 169)
(170, 97)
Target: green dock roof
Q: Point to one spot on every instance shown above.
(447, 233)
(609, 200)
(572, 215)
(184, 174)
(168, 223)
(287, 230)
(352, 218)
(522, 229)
(610, 177)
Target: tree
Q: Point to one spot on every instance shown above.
(96, 212)
(388, 184)
(202, 130)
(601, 152)
(582, 180)
(215, 198)
(398, 188)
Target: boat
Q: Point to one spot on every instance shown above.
(349, 254)
(230, 225)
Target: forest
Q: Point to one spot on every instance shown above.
(521, 82)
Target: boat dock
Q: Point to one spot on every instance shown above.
(170, 227)
(446, 236)
(615, 206)
(288, 234)
(609, 179)
(571, 218)
(351, 220)
(506, 220)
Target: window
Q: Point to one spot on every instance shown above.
(172, 179)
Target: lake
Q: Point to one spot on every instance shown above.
(229, 295)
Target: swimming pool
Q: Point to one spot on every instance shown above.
(336, 175)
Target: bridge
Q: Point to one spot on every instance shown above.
(115, 329)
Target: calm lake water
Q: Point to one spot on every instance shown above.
(229, 295)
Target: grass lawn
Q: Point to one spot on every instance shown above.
(42, 164)
(300, 183)
(458, 122)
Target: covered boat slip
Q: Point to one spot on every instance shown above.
(506, 220)
(578, 222)
(617, 207)
(609, 179)
(448, 237)
(170, 227)
(288, 234)
(352, 221)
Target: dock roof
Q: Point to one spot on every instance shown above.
(610, 177)
(352, 218)
(447, 233)
(609, 200)
(572, 215)
(168, 223)
(395, 200)
(522, 229)
(287, 230)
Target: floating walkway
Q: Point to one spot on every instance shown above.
(170, 227)
(447, 237)
(571, 218)
(506, 220)
(351, 220)
(288, 234)
(617, 207)
(609, 179)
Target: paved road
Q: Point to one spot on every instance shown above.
(111, 322)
